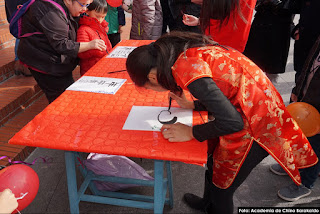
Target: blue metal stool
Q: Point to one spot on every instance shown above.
(160, 185)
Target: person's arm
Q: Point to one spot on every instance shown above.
(227, 119)
(98, 44)
(83, 37)
(56, 30)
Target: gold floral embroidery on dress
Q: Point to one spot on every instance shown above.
(244, 90)
(247, 136)
(232, 77)
(271, 125)
(255, 118)
(295, 125)
(214, 52)
(221, 66)
(274, 110)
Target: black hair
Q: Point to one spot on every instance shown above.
(162, 54)
(101, 6)
(220, 10)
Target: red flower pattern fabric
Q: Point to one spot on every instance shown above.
(265, 117)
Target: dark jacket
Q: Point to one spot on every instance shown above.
(309, 30)
(54, 51)
(269, 39)
(307, 86)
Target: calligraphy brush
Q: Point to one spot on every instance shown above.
(111, 72)
(170, 100)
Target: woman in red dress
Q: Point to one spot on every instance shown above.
(228, 22)
(250, 119)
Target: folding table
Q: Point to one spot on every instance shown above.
(92, 122)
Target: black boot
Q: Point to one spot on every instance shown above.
(196, 202)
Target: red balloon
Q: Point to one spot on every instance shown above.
(306, 116)
(23, 182)
(114, 3)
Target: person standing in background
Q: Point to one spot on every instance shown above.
(228, 22)
(51, 55)
(93, 26)
(269, 38)
(307, 67)
(305, 33)
(146, 20)
(168, 21)
(116, 19)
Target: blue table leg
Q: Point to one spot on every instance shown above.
(158, 186)
(72, 182)
(170, 184)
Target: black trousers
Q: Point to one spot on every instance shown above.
(222, 199)
(52, 86)
(114, 38)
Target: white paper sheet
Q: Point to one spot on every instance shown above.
(102, 85)
(145, 118)
(121, 52)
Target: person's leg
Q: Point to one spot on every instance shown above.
(52, 86)
(114, 38)
(310, 175)
(222, 199)
(196, 202)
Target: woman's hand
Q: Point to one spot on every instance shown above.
(296, 34)
(190, 20)
(8, 202)
(98, 44)
(177, 132)
(182, 100)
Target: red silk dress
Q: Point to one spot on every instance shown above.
(265, 117)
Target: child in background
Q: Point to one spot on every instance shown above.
(116, 19)
(93, 27)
